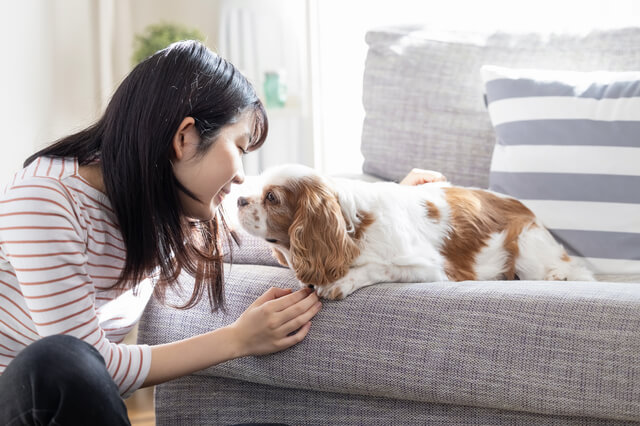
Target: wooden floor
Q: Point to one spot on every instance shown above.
(140, 408)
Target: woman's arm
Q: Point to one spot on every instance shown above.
(265, 327)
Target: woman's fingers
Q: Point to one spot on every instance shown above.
(260, 327)
(295, 338)
(267, 325)
(272, 294)
(299, 320)
(284, 302)
(297, 308)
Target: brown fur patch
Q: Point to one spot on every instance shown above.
(280, 213)
(366, 219)
(307, 220)
(321, 249)
(475, 216)
(565, 257)
(279, 257)
(336, 294)
(433, 212)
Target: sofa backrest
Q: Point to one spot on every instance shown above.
(423, 95)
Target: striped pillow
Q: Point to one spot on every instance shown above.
(568, 146)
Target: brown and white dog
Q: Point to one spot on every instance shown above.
(341, 234)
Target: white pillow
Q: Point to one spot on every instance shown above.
(568, 146)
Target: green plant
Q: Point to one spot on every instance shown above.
(158, 36)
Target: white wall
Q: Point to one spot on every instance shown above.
(24, 80)
(49, 75)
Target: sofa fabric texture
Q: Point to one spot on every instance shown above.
(239, 401)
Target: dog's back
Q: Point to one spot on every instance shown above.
(468, 233)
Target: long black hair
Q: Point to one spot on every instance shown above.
(132, 142)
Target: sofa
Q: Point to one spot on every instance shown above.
(473, 352)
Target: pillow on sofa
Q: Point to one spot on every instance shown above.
(568, 146)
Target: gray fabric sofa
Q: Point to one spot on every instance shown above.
(503, 352)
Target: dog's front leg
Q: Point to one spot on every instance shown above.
(356, 278)
(369, 274)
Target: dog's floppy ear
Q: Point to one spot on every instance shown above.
(277, 254)
(321, 250)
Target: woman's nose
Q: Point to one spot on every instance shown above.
(239, 177)
(242, 201)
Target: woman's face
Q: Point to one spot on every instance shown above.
(209, 176)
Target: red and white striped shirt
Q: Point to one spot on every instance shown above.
(60, 252)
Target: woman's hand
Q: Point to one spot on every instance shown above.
(266, 325)
(420, 176)
(262, 329)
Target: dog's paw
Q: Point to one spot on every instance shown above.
(330, 292)
(337, 290)
(574, 273)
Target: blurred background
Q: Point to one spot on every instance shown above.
(62, 59)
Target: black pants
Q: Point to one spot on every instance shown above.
(60, 380)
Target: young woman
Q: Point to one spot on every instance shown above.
(97, 222)
(94, 215)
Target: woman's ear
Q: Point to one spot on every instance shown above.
(321, 250)
(183, 136)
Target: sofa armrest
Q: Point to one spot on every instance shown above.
(564, 348)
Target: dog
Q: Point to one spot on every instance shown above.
(340, 234)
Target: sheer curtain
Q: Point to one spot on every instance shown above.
(261, 36)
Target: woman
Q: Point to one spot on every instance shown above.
(92, 217)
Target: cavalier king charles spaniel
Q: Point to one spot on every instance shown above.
(339, 235)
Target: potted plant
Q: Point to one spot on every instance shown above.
(158, 36)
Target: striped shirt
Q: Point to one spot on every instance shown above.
(60, 252)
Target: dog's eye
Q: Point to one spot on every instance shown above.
(270, 197)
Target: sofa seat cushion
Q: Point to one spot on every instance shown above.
(563, 348)
(568, 147)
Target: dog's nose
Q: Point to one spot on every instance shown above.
(242, 201)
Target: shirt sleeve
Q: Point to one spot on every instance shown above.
(44, 240)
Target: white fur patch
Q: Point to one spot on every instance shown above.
(492, 259)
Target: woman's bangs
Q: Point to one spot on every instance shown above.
(260, 126)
